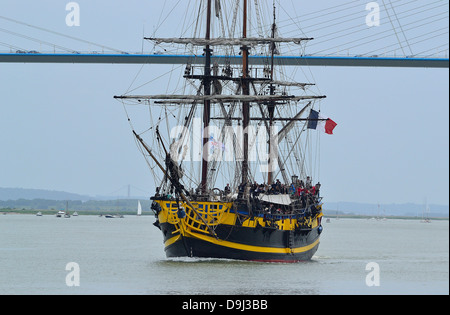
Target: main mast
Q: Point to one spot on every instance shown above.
(245, 91)
(207, 103)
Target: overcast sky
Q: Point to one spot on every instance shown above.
(60, 128)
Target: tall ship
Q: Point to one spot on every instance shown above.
(233, 147)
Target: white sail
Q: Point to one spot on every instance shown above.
(139, 211)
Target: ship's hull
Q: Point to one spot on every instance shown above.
(273, 249)
(264, 237)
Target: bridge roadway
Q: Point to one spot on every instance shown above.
(125, 58)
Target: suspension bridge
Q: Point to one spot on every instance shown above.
(128, 58)
(411, 34)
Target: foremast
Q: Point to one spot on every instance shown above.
(271, 107)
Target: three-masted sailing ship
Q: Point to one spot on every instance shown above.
(249, 196)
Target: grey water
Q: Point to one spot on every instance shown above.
(126, 256)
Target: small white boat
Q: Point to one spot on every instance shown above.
(39, 214)
(66, 213)
(110, 216)
(139, 211)
(60, 214)
(426, 214)
(75, 214)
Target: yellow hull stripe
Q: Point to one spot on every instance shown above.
(244, 247)
(172, 240)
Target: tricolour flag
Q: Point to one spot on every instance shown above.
(315, 121)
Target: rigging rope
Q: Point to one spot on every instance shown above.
(373, 39)
(399, 24)
(60, 34)
(293, 152)
(393, 27)
(36, 40)
(353, 31)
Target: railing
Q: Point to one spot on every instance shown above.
(185, 216)
(211, 214)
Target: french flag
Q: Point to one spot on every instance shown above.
(315, 121)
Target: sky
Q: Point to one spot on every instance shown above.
(60, 128)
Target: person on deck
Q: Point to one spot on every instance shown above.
(317, 190)
(227, 189)
(271, 209)
(302, 184)
(312, 191)
(261, 189)
(300, 191)
(254, 190)
(278, 187)
(292, 190)
(308, 183)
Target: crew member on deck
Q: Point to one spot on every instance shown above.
(318, 189)
(308, 184)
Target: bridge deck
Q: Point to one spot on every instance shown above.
(354, 61)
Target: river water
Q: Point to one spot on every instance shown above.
(126, 256)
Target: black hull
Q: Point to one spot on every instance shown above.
(242, 243)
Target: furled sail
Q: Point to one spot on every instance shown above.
(277, 199)
(227, 41)
(221, 98)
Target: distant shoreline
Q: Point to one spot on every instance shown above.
(80, 212)
(368, 217)
(37, 199)
(131, 213)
